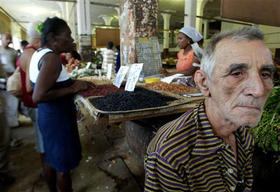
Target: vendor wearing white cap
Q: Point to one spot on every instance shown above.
(186, 57)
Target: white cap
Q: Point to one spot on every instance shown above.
(191, 33)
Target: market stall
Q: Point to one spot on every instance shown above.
(179, 106)
(141, 112)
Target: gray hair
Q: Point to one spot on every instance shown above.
(32, 33)
(208, 60)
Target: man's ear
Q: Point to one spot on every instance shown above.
(201, 80)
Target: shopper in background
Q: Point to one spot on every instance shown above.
(27, 90)
(73, 59)
(108, 56)
(210, 148)
(5, 178)
(8, 62)
(53, 91)
(186, 57)
(23, 44)
(118, 60)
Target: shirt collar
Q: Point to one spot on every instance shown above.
(207, 142)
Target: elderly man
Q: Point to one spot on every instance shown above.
(8, 58)
(210, 148)
(27, 90)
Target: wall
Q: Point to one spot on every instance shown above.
(271, 34)
(8, 25)
(5, 23)
(254, 11)
(103, 36)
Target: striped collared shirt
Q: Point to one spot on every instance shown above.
(185, 155)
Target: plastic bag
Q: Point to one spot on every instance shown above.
(14, 83)
(186, 80)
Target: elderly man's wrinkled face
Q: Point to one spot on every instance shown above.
(241, 80)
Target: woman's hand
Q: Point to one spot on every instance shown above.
(80, 85)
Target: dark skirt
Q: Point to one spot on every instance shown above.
(57, 122)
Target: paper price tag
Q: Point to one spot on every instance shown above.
(120, 76)
(133, 76)
(170, 78)
(109, 71)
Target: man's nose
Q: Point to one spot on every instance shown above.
(255, 86)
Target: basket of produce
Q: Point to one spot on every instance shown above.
(140, 99)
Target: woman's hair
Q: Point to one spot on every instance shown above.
(24, 43)
(244, 34)
(53, 25)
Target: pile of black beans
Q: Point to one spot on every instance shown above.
(140, 98)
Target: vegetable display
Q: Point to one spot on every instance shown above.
(267, 133)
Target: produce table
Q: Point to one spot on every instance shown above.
(115, 117)
(140, 125)
(182, 104)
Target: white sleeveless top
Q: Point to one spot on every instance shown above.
(34, 66)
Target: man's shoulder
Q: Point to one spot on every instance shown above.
(176, 136)
(8, 49)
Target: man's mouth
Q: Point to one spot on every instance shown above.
(250, 107)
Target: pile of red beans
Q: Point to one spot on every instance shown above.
(100, 90)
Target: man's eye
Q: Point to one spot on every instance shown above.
(237, 74)
(266, 75)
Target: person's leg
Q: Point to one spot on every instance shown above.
(64, 181)
(11, 109)
(50, 176)
(33, 114)
(4, 145)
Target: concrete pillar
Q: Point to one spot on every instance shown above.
(166, 25)
(175, 38)
(200, 4)
(137, 19)
(84, 29)
(190, 11)
(118, 10)
(16, 35)
(68, 14)
(107, 19)
(205, 29)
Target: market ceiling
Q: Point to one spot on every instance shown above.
(26, 11)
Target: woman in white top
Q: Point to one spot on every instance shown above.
(53, 92)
